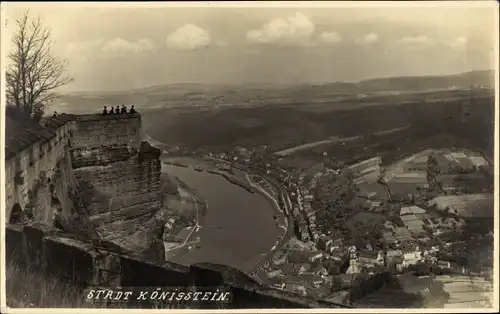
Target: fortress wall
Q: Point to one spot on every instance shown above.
(96, 131)
(29, 168)
(84, 264)
(65, 186)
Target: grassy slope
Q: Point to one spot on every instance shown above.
(31, 289)
(28, 288)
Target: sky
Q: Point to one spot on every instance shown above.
(124, 46)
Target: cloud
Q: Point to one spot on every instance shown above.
(189, 37)
(368, 39)
(459, 43)
(119, 45)
(416, 40)
(295, 29)
(83, 47)
(330, 37)
(102, 48)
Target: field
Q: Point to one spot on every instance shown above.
(467, 292)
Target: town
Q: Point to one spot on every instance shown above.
(357, 227)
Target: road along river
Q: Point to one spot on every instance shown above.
(239, 227)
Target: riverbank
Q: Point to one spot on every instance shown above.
(232, 179)
(236, 177)
(183, 217)
(262, 190)
(248, 184)
(229, 177)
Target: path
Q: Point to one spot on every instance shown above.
(334, 140)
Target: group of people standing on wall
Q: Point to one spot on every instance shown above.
(118, 110)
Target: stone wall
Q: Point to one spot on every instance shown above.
(84, 264)
(32, 166)
(108, 131)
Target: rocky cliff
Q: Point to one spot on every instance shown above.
(119, 180)
(90, 175)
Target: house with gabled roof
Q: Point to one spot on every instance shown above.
(412, 255)
(368, 258)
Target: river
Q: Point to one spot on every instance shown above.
(238, 228)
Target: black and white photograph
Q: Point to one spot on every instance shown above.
(313, 156)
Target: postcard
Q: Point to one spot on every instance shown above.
(249, 156)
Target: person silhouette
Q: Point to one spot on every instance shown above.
(124, 109)
(117, 110)
(105, 111)
(112, 110)
(132, 109)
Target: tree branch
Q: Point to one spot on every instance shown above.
(35, 72)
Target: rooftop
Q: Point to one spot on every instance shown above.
(20, 135)
(55, 122)
(368, 254)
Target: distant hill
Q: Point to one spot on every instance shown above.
(191, 94)
(473, 79)
(484, 79)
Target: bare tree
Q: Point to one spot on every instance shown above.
(34, 72)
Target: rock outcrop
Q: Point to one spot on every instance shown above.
(90, 175)
(119, 180)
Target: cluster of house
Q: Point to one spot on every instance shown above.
(410, 254)
(334, 249)
(300, 271)
(305, 215)
(414, 223)
(307, 229)
(365, 171)
(241, 154)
